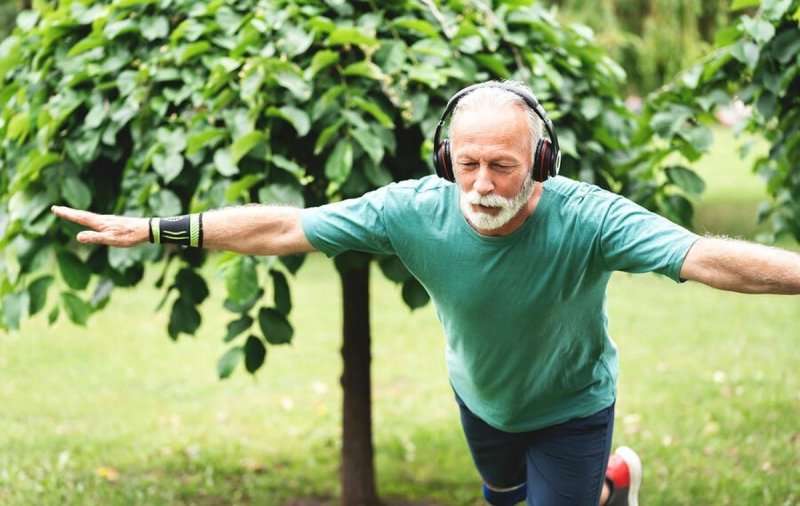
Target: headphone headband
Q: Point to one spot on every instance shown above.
(551, 161)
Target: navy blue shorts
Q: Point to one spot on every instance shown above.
(562, 465)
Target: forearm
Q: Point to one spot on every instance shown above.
(255, 230)
(743, 267)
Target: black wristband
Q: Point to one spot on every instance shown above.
(186, 230)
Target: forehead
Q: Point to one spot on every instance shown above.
(490, 126)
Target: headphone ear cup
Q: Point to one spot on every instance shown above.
(542, 161)
(442, 161)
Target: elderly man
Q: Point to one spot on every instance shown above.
(516, 260)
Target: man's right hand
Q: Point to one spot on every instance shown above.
(117, 231)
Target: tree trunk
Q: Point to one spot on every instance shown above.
(357, 471)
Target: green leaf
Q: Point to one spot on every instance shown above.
(371, 143)
(206, 138)
(228, 362)
(669, 122)
(377, 174)
(394, 269)
(746, 52)
(418, 25)
(228, 19)
(494, 65)
(165, 203)
(223, 162)
(364, 69)
(192, 50)
(74, 271)
(191, 285)
(281, 194)
(296, 117)
(326, 135)
(77, 310)
(168, 165)
(241, 278)
(19, 126)
(348, 35)
(38, 293)
(282, 295)
(414, 294)
(767, 105)
(591, 107)
(237, 327)
(102, 293)
(762, 31)
(288, 165)
(744, 4)
(375, 111)
(242, 307)
(295, 83)
(295, 40)
(292, 262)
(699, 136)
(428, 75)
(274, 326)
(686, 179)
(27, 20)
(254, 354)
(15, 308)
(340, 162)
(241, 188)
(245, 144)
(321, 60)
(184, 317)
(76, 193)
(155, 28)
(679, 209)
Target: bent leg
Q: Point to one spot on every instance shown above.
(499, 457)
(566, 463)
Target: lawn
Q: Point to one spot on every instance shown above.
(116, 413)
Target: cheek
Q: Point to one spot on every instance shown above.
(464, 180)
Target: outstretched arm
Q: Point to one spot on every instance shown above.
(740, 266)
(251, 230)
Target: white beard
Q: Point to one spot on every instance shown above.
(509, 207)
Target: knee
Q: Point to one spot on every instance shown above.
(506, 496)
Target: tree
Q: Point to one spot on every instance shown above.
(757, 61)
(652, 39)
(162, 107)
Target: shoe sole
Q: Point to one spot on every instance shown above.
(635, 472)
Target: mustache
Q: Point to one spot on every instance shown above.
(474, 198)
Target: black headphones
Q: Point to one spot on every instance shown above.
(546, 159)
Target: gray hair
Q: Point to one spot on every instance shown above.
(490, 96)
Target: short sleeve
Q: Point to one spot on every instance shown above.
(633, 239)
(353, 224)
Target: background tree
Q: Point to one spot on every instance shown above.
(756, 61)
(651, 39)
(162, 107)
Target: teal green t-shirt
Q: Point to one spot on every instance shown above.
(524, 315)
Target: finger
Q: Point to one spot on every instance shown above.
(87, 237)
(84, 218)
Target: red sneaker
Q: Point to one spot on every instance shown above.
(625, 473)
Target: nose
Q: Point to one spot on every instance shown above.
(483, 181)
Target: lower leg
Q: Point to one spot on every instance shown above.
(605, 493)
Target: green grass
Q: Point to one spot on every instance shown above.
(116, 413)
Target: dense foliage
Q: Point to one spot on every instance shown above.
(652, 39)
(162, 107)
(757, 61)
